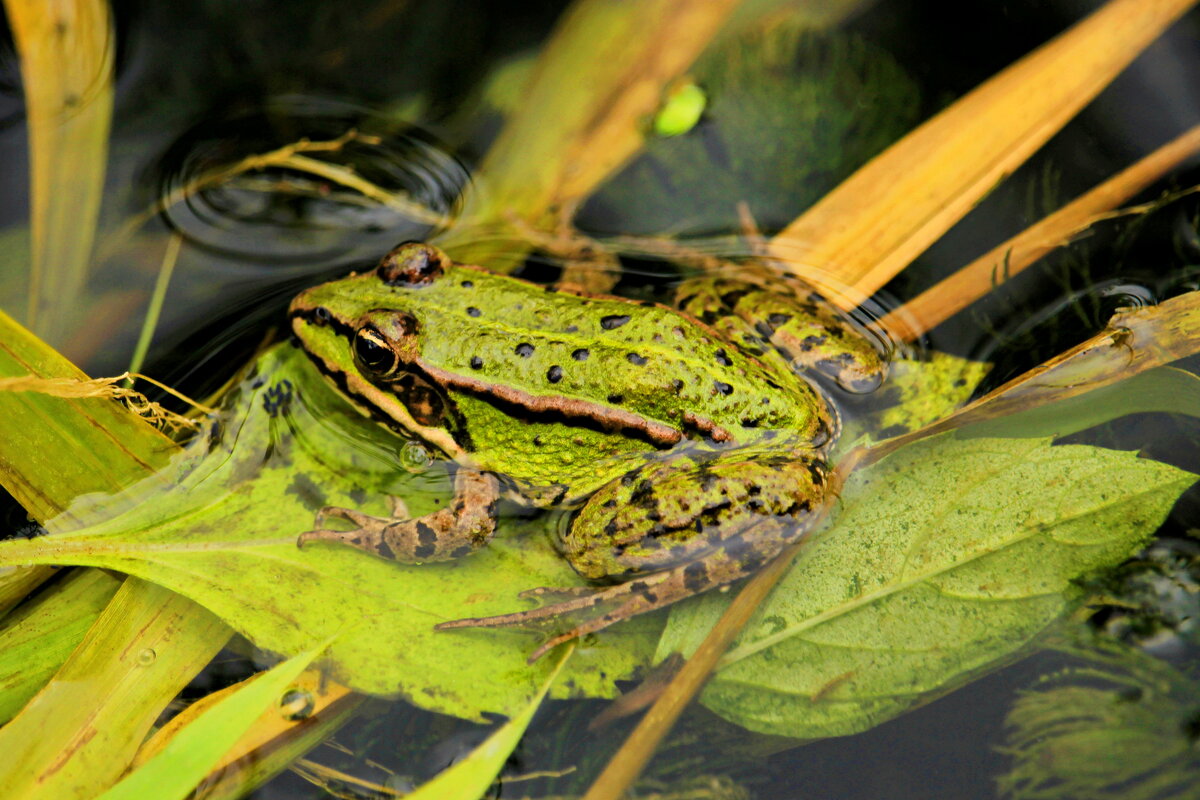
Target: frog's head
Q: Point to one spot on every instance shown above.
(365, 332)
(373, 317)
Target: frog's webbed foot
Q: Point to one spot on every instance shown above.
(736, 558)
(451, 532)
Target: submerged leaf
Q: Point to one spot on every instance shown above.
(945, 559)
(1122, 732)
(915, 394)
(224, 534)
(788, 114)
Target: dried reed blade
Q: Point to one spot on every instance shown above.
(951, 295)
(883, 216)
(595, 87)
(66, 49)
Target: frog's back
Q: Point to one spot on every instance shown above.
(607, 362)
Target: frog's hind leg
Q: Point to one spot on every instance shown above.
(736, 558)
(678, 527)
(466, 524)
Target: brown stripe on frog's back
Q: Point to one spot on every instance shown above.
(569, 409)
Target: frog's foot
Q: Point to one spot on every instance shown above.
(736, 558)
(465, 525)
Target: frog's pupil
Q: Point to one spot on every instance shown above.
(371, 352)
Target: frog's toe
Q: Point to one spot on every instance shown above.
(325, 535)
(367, 537)
(554, 594)
(348, 514)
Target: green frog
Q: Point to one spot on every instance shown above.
(689, 440)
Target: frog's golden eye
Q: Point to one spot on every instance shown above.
(412, 264)
(373, 352)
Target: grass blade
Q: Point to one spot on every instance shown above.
(188, 756)
(470, 778)
(951, 295)
(272, 742)
(75, 738)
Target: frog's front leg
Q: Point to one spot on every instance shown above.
(679, 527)
(466, 524)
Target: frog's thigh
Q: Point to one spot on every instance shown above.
(801, 324)
(464, 525)
(723, 508)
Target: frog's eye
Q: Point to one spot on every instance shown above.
(372, 351)
(412, 264)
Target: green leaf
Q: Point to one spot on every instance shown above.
(681, 112)
(54, 449)
(78, 734)
(224, 534)
(944, 559)
(187, 758)
(470, 778)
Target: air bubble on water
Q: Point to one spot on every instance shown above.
(415, 456)
(297, 704)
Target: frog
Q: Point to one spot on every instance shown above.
(689, 441)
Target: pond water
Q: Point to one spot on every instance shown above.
(404, 100)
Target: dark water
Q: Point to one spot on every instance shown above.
(203, 84)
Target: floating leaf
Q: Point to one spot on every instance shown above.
(225, 536)
(945, 559)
